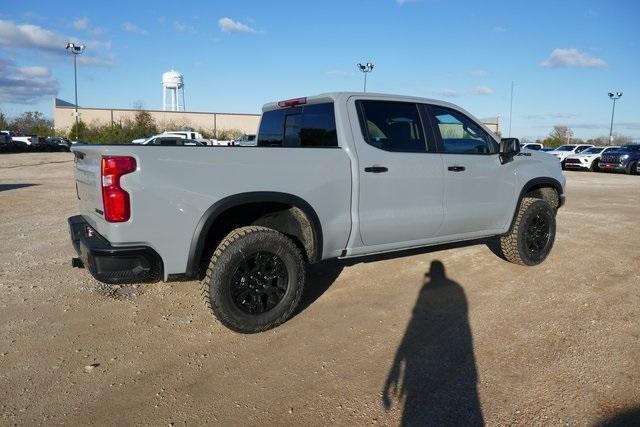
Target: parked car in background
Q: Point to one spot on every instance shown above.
(566, 150)
(5, 140)
(624, 159)
(247, 140)
(547, 149)
(168, 140)
(338, 175)
(56, 143)
(587, 159)
(536, 146)
(29, 140)
(186, 134)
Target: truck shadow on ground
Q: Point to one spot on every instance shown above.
(322, 275)
(7, 187)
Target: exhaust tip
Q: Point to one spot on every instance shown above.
(77, 263)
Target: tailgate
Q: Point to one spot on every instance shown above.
(89, 188)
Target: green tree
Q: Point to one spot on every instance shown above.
(82, 131)
(558, 136)
(4, 123)
(32, 123)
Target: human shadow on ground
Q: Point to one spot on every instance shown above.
(627, 418)
(434, 370)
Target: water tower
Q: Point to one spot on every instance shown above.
(172, 91)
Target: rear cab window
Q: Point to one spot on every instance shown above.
(306, 126)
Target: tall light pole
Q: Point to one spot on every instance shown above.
(510, 108)
(76, 49)
(366, 68)
(614, 97)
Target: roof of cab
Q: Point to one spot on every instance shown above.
(335, 96)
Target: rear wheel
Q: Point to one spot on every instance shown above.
(594, 166)
(532, 235)
(255, 279)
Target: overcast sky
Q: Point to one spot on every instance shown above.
(564, 56)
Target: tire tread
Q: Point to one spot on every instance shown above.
(206, 284)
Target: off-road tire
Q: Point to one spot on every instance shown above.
(632, 168)
(234, 249)
(513, 244)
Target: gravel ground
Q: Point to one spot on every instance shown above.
(446, 335)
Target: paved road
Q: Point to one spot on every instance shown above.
(448, 335)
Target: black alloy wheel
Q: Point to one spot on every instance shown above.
(259, 283)
(537, 234)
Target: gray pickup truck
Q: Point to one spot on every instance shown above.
(337, 175)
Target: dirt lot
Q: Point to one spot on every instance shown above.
(476, 340)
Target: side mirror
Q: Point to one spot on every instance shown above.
(509, 147)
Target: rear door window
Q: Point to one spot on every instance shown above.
(392, 126)
(307, 126)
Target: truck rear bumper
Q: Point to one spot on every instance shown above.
(109, 264)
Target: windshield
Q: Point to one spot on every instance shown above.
(566, 148)
(593, 150)
(628, 148)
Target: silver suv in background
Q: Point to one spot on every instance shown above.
(587, 159)
(566, 150)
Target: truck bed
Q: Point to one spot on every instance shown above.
(183, 182)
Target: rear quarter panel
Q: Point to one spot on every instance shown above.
(174, 186)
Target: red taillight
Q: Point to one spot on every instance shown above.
(114, 199)
(292, 102)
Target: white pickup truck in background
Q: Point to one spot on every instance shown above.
(337, 175)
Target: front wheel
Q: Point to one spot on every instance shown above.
(255, 279)
(632, 168)
(532, 235)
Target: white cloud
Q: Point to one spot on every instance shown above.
(25, 85)
(230, 26)
(133, 28)
(34, 37)
(96, 62)
(36, 71)
(31, 36)
(183, 28)
(483, 90)
(500, 29)
(541, 116)
(478, 73)
(572, 58)
(340, 73)
(448, 93)
(81, 23)
(629, 125)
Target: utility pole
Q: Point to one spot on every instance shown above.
(76, 50)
